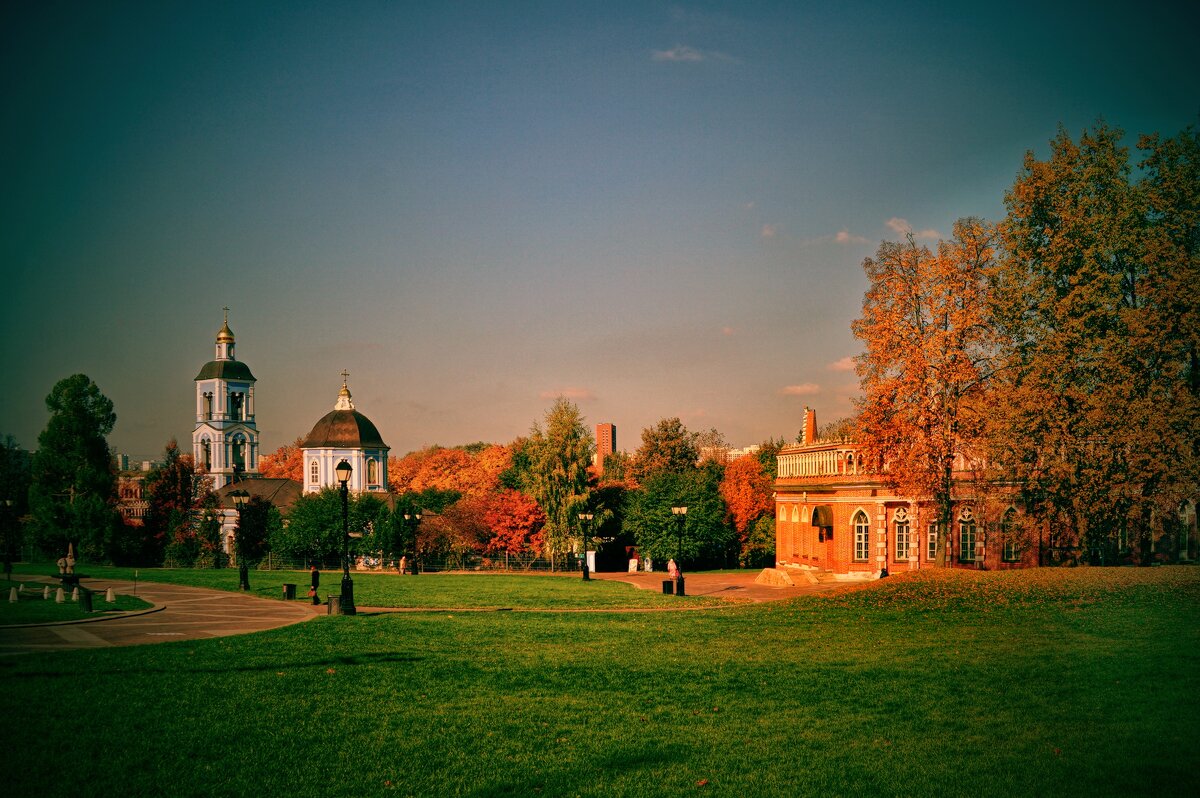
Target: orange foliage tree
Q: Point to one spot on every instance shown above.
(747, 491)
(515, 521)
(930, 352)
(286, 462)
(448, 470)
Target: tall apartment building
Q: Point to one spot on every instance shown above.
(606, 444)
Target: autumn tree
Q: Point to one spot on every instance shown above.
(1097, 298)
(557, 474)
(748, 493)
(174, 492)
(286, 462)
(515, 521)
(667, 447)
(930, 351)
(72, 493)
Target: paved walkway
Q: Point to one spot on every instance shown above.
(180, 613)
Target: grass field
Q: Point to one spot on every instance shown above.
(31, 607)
(1045, 682)
(484, 590)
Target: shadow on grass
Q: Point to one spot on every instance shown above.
(7, 668)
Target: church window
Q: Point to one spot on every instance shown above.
(206, 454)
(372, 472)
(236, 401)
(1008, 533)
(967, 530)
(862, 535)
(208, 409)
(931, 552)
(314, 473)
(902, 534)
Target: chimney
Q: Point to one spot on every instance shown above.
(810, 426)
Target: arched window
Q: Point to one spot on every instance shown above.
(1008, 534)
(239, 451)
(931, 537)
(206, 454)
(314, 473)
(966, 536)
(862, 535)
(372, 472)
(902, 534)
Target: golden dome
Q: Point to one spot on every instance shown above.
(225, 335)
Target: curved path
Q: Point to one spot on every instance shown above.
(180, 613)
(193, 613)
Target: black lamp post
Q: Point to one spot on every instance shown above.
(415, 518)
(584, 520)
(8, 533)
(240, 497)
(681, 514)
(347, 601)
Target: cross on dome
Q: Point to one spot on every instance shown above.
(343, 401)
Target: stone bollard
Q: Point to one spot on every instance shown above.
(21, 588)
(59, 598)
(46, 592)
(75, 594)
(110, 596)
(12, 595)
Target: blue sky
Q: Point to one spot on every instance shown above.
(655, 209)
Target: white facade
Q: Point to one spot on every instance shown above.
(345, 434)
(225, 437)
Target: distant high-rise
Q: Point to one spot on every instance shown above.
(606, 444)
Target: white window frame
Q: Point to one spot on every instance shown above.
(860, 524)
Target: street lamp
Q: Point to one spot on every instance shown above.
(415, 517)
(584, 520)
(240, 497)
(681, 515)
(8, 532)
(344, 471)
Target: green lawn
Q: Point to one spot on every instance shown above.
(1064, 682)
(31, 607)
(374, 589)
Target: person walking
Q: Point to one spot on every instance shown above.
(316, 583)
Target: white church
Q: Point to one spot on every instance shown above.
(225, 441)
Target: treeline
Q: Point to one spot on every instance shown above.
(1056, 351)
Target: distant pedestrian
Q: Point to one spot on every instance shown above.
(403, 568)
(316, 583)
(672, 569)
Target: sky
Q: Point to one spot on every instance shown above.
(652, 209)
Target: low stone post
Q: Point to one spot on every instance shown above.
(12, 595)
(75, 594)
(110, 596)
(46, 592)
(60, 597)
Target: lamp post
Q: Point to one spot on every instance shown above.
(584, 520)
(344, 471)
(681, 514)
(7, 532)
(240, 497)
(415, 517)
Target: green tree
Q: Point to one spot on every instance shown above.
(174, 493)
(706, 537)
(667, 447)
(1098, 302)
(73, 485)
(314, 528)
(258, 522)
(14, 495)
(557, 473)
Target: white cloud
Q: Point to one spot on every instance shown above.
(679, 52)
(901, 227)
(578, 394)
(803, 389)
(845, 237)
(845, 364)
(685, 54)
(768, 231)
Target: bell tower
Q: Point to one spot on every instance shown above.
(225, 438)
